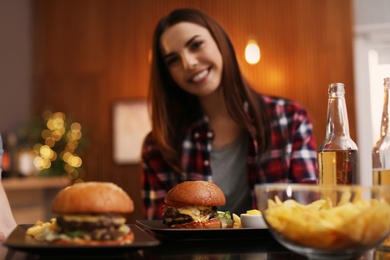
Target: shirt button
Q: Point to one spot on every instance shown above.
(206, 163)
(210, 134)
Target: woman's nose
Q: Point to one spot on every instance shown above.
(189, 61)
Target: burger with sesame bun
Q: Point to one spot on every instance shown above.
(90, 213)
(193, 205)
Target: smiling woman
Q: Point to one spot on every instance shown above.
(208, 122)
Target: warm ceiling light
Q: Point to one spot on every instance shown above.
(252, 52)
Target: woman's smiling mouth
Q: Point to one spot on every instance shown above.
(200, 76)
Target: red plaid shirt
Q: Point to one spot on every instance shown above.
(292, 156)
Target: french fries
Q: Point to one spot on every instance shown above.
(237, 221)
(320, 225)
(40, 227)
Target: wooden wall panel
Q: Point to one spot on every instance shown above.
(90, 53)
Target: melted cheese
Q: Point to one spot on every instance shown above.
(194, 212)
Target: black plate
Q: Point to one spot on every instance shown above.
(160, 230)
(18, 240)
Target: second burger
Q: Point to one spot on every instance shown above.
(193, 204)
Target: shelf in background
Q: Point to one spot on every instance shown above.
(30, 197)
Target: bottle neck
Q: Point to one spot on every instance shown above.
(337, 118)
(337, 128)
(381, 150)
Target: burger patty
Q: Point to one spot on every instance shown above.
(172, 215)
(103, 221)
(99, 227)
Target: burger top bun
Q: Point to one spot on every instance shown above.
(92, 197)
(188, 193)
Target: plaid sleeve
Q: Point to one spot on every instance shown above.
(157, 179)
(303, 167)
(293, 153)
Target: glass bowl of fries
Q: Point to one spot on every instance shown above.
(326, 222)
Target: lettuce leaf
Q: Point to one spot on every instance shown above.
(225, 217)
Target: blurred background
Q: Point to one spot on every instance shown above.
(66, 66)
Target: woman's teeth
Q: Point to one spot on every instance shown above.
(200, 76)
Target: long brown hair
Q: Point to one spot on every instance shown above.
(173, 109)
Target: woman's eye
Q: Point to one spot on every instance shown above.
(196, 45)
(171, 60)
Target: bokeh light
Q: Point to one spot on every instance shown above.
(252, 52)
(61, 140)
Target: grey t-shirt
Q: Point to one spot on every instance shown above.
(229, 172)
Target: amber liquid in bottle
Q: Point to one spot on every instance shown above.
(337, 167)
(381, 177)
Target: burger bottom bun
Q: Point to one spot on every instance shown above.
(125, 240)
(212, 223)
